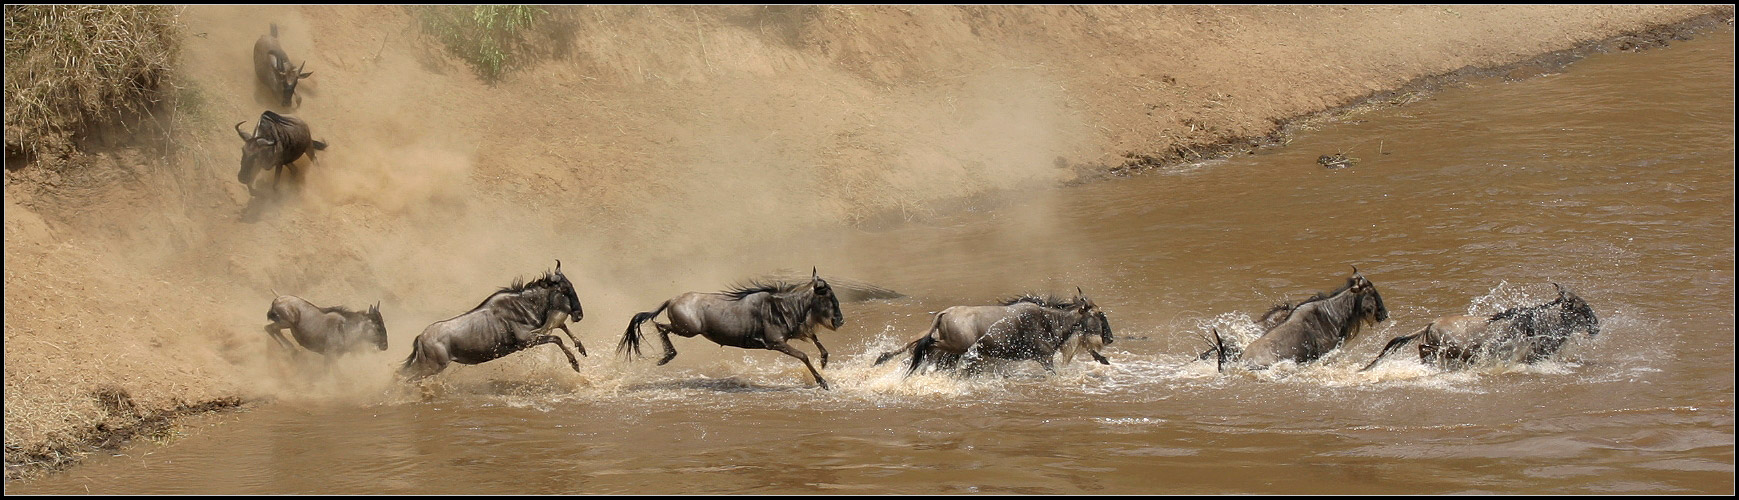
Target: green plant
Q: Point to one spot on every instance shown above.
(491, 38)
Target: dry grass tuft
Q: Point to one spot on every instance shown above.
(70, 69)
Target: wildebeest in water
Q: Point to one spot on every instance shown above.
(330, 331)
(1094, 332)
(1314, 327)
(277, 141)
(514, 318)
(1018, 329)
(757, 316)
(1527, 334)
(274, 71)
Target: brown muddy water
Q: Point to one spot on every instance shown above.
(1614, 178)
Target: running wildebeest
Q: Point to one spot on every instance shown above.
(1095, 335)
(1016, 330)
(277, 141)
(330, 331)
(1527, 334)
(272, 67)
(515, 318)
(757, 316)
(1311, 328)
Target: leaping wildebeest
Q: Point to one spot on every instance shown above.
(515, 318)
(1018, 329)
(273, 68)
(277, 141)
(329, 331)
(1310, 329)
(1528, 334)
(757, 316)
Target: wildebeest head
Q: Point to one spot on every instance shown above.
(1576, 313)
(824, 305)
(379, 326)
(288, 78)
(565, 298)
(1369, 307)
(257, 151)
(1092, 318)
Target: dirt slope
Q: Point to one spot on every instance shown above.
(652, 149)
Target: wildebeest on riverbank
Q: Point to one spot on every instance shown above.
(329, 331)
(277, 141)
(514, 318)
(273, 69)
(1527, 334)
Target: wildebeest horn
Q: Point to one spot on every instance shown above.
(1559, 287)
(238, 131)
(814, 272)
(1355, 269)
(558, 261)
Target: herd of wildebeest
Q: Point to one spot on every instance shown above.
(773, 315)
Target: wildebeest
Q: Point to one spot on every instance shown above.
(1015, 330)
(1095, 333)
(757, 316)
(1526, 334)
(277, 141)
(330, 331)
(1311, 328)
(274, 71)
(514, 318)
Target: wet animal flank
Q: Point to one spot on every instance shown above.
(1095, 331)
(1311, 329)
(273, 69)
(1016, 330)
(1526, 334)
(758, 316)
(514, 318)
(277, 141)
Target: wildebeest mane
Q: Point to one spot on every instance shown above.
(1049, 301)
(737, 292)
(548, 280)
(1524, 310)
(344, 311)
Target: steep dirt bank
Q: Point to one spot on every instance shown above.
(650, 148)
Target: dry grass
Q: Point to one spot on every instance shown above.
(72, 68)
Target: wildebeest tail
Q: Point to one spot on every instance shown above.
(631, 338)
(896, 352)
(1397, 343)
(319, 145)
(410, 361)
(920, 347)
(1219, 350)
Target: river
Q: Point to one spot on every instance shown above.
(1614, 178)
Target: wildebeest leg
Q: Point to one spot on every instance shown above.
(277, 172)
(664, 332)
(564, 327)
(787, 349)
(1099, 357)
(1046, 362)
(551, 339)
(818, 347)
(277, 333)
